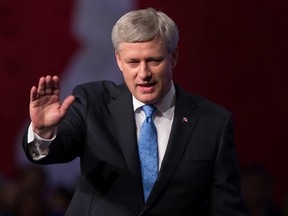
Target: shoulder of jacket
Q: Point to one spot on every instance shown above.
(203, 104)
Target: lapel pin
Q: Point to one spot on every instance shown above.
(185, 119)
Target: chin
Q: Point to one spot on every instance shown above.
(148, 98)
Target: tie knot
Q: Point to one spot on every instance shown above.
(149, 110)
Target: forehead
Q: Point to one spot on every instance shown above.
(154, 47)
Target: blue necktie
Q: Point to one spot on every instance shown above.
(148, 151)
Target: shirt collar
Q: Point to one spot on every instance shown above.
(164, 105)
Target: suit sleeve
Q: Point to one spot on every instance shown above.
(226, 192)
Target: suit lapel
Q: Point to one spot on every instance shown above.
(182, 128)
(123, 118)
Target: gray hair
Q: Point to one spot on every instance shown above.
(145, 25)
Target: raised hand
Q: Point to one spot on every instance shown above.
(46, 110)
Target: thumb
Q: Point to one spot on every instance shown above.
(66, 104)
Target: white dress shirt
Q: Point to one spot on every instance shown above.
(162, 118)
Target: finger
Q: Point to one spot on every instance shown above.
(66, 104)
(56, 85)
(49, 85)
(41, 87)
(33, 93)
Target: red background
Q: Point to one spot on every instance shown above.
(232, 52)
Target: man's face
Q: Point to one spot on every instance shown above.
(147, 69)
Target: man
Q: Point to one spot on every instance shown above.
(101, 122)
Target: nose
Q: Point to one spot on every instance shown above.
(144, 72)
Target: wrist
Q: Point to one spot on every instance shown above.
(45, 133)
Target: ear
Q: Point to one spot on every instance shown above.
(174, 58)
(118, 59)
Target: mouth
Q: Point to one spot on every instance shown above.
(146, 87)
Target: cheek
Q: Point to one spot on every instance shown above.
(166, 74)
(128, 78)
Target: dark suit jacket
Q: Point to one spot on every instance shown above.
(198, 174)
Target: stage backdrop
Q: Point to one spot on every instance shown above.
(232, 52)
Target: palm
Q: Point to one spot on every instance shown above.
(46, 110)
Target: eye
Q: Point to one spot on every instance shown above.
(133, 63)
(155, 61)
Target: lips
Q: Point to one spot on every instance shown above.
(146, 87)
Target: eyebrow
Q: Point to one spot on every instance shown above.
(148, 58)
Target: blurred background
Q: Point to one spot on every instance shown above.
(231, 52)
